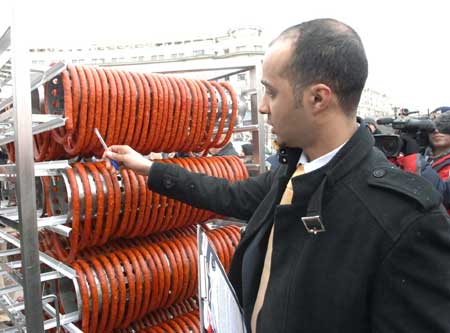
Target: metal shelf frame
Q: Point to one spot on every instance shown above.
(18, 124)
(255, 91)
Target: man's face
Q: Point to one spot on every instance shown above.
(290, 120)
(440, 140)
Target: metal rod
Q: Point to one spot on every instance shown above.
(243, 70)
(217, 67)
(9, 252)
(57, 315)
(5, 40)
(10, 289)
(255, 74)
(60, 230)
(44, 277)
(66, 320)
(43, 127)
(248, 128)
(17, 317)
(52, 223)
(41, 169)
(46, 259)
(45, 77)
(35, 118)
(25, 170)
(14, 264)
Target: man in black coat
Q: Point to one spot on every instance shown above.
(363, 246)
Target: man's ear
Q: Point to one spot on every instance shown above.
(318, 96)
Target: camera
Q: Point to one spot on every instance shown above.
(409, 131)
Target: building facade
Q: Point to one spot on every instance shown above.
(244, 40)
(375, 104)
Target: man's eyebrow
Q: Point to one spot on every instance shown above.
(267, 84)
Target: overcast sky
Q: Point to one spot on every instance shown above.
(407, 42)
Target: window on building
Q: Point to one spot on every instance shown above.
(199, 53)
(174, 55)
(226, 51)
(161, 57)
(240, 48)
(141, 58)
(241, 77)
(154, 57)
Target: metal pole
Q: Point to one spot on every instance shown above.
(25, 169)
(255, 77)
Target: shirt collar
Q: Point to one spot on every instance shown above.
(319, 162)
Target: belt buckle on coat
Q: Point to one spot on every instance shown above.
(313, 224)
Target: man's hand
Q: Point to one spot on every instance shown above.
(130, 159)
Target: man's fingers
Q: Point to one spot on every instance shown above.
(121, 149)
(115, 156)
(108, 164)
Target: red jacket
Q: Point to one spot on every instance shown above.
(442, 167)
(437, 172)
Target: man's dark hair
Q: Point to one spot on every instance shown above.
(329, 52)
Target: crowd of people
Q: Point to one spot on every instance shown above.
(433, 164)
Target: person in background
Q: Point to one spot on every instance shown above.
(338, 239)
(272, 161)
(372, 125)
(438, 111)
(434, 165)
(247, 153)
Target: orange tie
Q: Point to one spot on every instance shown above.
(286, 199)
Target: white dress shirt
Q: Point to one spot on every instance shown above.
(318, 162)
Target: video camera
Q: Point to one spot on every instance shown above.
(409, 132)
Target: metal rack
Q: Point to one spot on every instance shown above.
(216, 69)
(18, 123)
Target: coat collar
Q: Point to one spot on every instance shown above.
(348, 158)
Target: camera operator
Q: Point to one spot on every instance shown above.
(372, 125)
(434, 165)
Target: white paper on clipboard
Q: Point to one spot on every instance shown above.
(218, 304)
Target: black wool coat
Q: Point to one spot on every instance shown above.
(382, 264)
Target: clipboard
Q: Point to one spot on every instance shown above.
(219, 308)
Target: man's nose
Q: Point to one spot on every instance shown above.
(263, 107)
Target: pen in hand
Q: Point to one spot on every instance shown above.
(114, 163)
